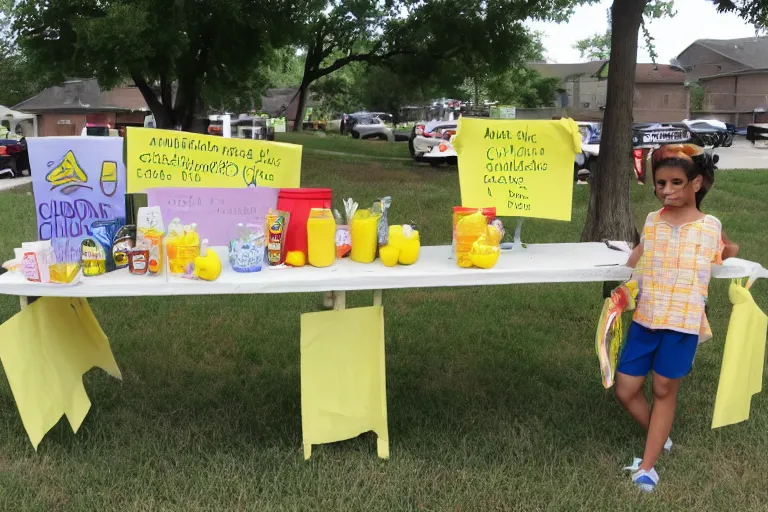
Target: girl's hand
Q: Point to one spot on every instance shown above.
(731, 248)
(635, 256)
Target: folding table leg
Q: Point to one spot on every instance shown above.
(378, 297)
(339, 301)
(382, 447)
(25, 301)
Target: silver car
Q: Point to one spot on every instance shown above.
(370, 125)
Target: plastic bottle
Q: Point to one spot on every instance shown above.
(365, 226)
(321, 237)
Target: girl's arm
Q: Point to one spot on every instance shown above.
(731, 248)
(634, 257)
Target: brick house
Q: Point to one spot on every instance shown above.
(660, 91)
(661, 94)
(581, 88)
(65, 109)
(734, 77)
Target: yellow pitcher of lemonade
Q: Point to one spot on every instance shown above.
(321, 237)
(365, 226)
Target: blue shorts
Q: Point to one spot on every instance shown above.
(668, 353)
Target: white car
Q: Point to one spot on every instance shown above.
(432, 142)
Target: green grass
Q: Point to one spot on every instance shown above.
(314, 142)
(494, 395)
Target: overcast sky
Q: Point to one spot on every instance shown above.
(695, 19)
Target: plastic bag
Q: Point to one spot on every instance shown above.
(246, 252)
(468, 230)
(381, 208)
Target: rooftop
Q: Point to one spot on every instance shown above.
(85, 95)
(749, 51)
(564, 71)
(649, 73)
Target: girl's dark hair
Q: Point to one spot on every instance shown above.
(697, 165)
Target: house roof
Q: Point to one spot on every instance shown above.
(659, 73)
(649, 73)
(737, 73)
(84, 95)
(564, 71)
(275, 102)
(284, 102)
(749, 51)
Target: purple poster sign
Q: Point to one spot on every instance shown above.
(216, 211)
(76, 180)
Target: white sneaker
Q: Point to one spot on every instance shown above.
(646, 480)
(635, 466)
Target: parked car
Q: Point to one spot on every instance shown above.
(584, 163)
(336, 123)
(14, 157)
(370, 125)
(645, 137)
(425, 137)
(98, 130)
(757, 132)
(711, 132)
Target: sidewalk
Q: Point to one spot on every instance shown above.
(9, 183)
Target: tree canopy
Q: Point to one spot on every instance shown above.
(609, 215)
(171, 50)
(445, 40)
(17, 80)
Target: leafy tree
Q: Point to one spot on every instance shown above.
(609, 214)
(598, 46)
(466, 37)
(595, 47)
(523, 87)
(17, 81)
(172, 50)
(280, 68)
(517, 84)
(754, 12)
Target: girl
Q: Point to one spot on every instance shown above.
(672, 265)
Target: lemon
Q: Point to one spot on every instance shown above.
(389, 255)
(295, 259)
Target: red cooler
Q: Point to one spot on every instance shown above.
(299, 201)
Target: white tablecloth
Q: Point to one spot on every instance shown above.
(544, 263)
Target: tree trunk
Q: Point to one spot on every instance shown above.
(610, 213)
(162, 111)
(301, 106)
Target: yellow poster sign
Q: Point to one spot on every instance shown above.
(168, 158)
(523, 168)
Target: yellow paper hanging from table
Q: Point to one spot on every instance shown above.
(169, 158)
(523, 168)
(343, 383)
(741, 373)
(45, 350)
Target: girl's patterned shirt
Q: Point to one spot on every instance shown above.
(674, 273)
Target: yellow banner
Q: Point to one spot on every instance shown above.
(523, 168)
(168, 158)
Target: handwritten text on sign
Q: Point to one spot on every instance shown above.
(76, 181)
(523, 168)
(166, 158)
(217, 212)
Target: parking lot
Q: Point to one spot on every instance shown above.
(743, 155)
